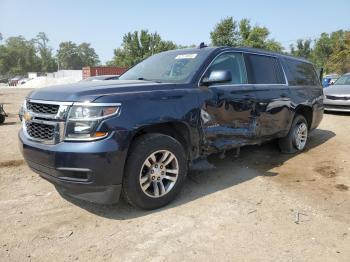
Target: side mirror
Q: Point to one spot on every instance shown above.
(215, 77)
(320, 74)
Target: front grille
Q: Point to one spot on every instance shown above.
(42, 108)
(338, 97)
(40, 131)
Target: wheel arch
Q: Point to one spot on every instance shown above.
(307, 112)
(176, 129)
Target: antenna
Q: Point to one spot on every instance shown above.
(202, 45)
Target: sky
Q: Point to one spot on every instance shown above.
(103, 23)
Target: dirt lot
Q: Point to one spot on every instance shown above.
(263, 206)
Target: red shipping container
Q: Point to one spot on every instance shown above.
(102, 70)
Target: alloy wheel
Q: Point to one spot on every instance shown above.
(159, 173)
(301, 136)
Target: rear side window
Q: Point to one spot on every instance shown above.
(264, 70)
(300, 73)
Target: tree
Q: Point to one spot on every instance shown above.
(322, 50)
(330, 51)
(72, 56)
(68, 56)
(137, 46)
(48, 63)
(18, 56)
(339, 60)
(227, 33)
(87, 55)
(302, 48)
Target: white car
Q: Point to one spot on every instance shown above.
(337, 96)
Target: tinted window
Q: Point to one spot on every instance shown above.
(232, 62)
(300, 73)
(264, 70)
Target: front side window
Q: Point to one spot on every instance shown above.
(344, 80)
(264, 70)
(232, 62)
(300, 73)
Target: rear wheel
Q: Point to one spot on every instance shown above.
(297, 137)
(155, 171)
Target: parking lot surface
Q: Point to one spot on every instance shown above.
(262, 206)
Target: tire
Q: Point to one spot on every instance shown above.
(146, 171)
(291, 144)
(2, 119)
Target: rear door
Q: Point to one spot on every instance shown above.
(272, 93)
(305, 87)
(227, 114)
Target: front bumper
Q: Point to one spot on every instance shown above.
(337, 105)
(91, 171)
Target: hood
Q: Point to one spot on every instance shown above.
(90, 91)
(340, 90)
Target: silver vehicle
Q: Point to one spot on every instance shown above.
(337, 96)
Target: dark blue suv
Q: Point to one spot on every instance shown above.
(139, 135)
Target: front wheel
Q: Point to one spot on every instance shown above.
(155, 171)
(2, 119)
(297, 136)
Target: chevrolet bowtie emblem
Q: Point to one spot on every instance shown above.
(27, 116)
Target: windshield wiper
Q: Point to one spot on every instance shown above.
(150, 80)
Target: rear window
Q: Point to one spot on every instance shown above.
(300, 73)
(264, 70)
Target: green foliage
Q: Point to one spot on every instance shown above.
(73, 56)
(302, 48)
(229, 32)
(330, 51)
(68, 56)
(88, 55)
(339, 60)
(137, 46)
(18, 56)
(48, 63)
(225, 33)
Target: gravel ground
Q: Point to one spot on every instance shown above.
(263, 206)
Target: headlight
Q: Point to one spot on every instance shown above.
(83, 120)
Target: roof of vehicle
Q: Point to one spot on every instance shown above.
(266, 52)
(331, 76)
(243, 49)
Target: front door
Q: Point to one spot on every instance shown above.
(228, 110)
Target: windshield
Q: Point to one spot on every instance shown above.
(344, 80)
(174, 66)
